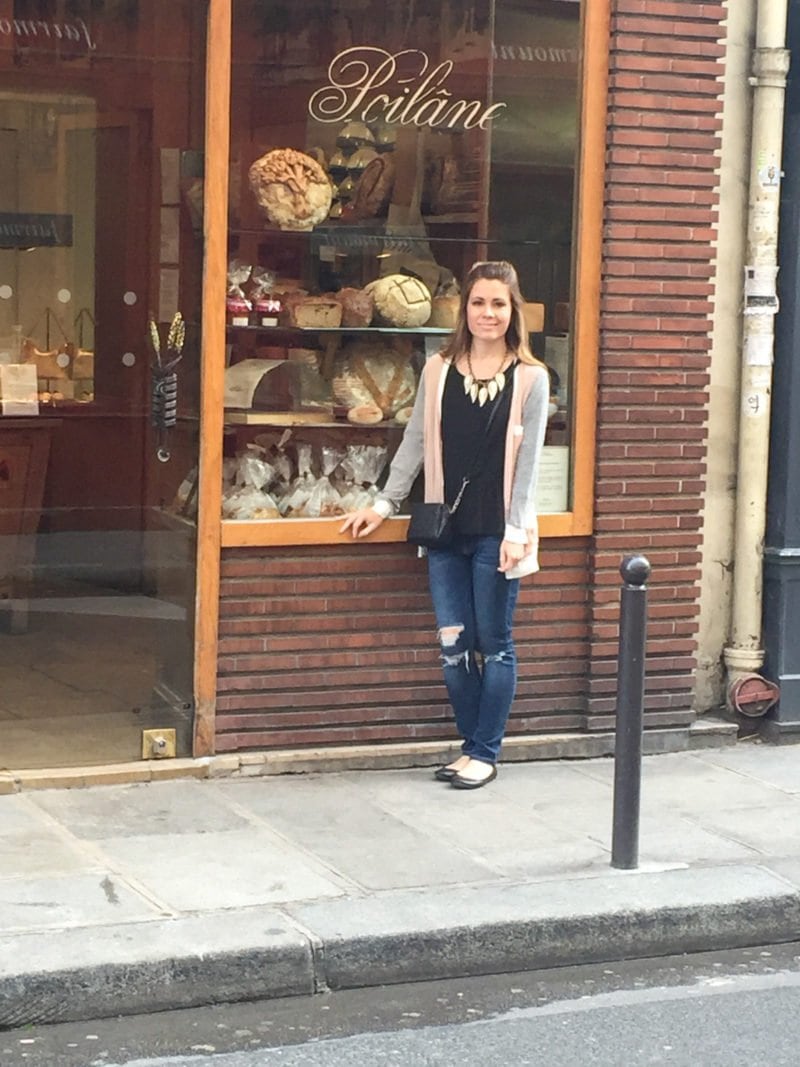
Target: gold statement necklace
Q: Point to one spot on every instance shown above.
(479, 390)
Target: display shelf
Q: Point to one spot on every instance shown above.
(277, 418)
(246, 533)
(453, 218)
(277, 533)
(319, 420)
(421, 331)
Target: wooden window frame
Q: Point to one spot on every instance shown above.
(214, 534)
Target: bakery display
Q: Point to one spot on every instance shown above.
(401, 300)
(291, 188)
(384, 221)
(280, 478)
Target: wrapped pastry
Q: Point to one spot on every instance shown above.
(324, 500)
(237, 306)
(291, 188)
(252, 469)
(362, 466)
(401, 300)
(249, 503)
(266, 307)
(375, 373)
(294, 501)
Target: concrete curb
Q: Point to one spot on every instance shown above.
(153, 966)
(407, 936)
(398, 936)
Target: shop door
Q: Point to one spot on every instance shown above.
(101, 137)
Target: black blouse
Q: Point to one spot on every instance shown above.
(481, 512)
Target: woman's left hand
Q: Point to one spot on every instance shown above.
(510, 554)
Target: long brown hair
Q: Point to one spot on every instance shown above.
(516, 335)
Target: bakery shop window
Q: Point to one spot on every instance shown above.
(377, 151)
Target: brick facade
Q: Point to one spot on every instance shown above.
(336, 645)
(658, 271)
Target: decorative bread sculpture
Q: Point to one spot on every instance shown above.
(291, 188)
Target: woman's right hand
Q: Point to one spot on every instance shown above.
(362, 522)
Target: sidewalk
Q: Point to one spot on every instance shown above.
(131, 898)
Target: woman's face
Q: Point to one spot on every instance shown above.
(489, 309)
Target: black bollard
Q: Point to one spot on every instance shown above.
(635, 571)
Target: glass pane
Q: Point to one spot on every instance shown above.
(370, 142)
(101, 121)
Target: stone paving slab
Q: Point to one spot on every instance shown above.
(340, 821)
(776, 766)
(85, 899)
(162, 808)
(220, 871)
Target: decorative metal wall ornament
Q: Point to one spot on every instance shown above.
(164, 387)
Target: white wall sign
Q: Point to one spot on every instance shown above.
(552, 489)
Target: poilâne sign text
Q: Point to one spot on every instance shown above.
(369, 84)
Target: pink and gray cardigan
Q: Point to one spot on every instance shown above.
(422, 446)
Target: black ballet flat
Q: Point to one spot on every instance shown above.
(459, 782)
(444, 774)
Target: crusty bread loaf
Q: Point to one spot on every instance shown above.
(401, 300)
(358, 307)
(313, 312)
(374, 372)
(444, 311)
(374, 189)
(365, 415)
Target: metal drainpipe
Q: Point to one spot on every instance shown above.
(744, 654)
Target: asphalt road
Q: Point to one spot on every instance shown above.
(715, 1010)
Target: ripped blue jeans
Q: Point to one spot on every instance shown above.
(474, 607)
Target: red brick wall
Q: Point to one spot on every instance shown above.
(337, 645)
(661, 195)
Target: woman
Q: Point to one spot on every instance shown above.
(474, 582)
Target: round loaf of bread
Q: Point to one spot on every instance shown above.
(444, 312)
(377, 373)
(291, 188)
(401, 300)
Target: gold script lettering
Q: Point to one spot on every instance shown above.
(418, 95)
